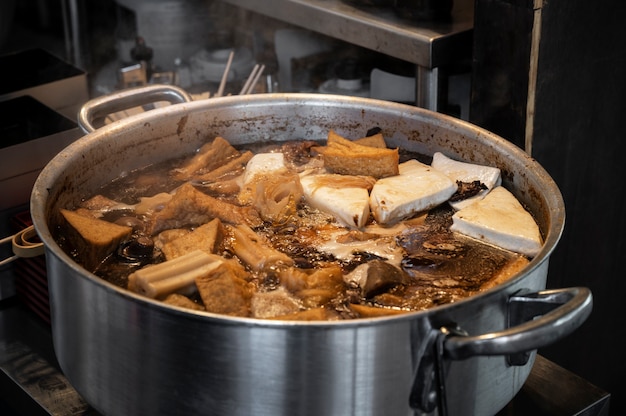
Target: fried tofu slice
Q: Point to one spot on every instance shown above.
(210, 156)
(364, 311)
(206, 238)
(347, 157)
(313, 288)
(176, 299)
(268, 304)
(225, 293)
(232, 168)
(315, 314)
(93, 239)
(376, 140)
(190, 207)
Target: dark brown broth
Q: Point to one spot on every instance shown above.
(435, 277)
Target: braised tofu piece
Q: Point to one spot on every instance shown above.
(347, 157)
(316, 314)
(190, 207)
(100, 203)
(376, 140)
(274, 303)
(233, 168)
(365, 311)
(176, 299)
(210, 156)
(465, 173)
(206, 238)
(92, 238)
(224, 293)
(501, 220)
(314, 288)
(417, 188)
(345, 197)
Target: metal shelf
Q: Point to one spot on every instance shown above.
(429, 45)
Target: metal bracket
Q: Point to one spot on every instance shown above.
(429, 390)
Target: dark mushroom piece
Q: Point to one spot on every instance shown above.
(381, 276)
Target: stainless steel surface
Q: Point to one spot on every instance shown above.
(427, 87)
(429, 45)
(98, 108)
(128, 354)
(536, 320)
(32, 384)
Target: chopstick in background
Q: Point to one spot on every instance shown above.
(252, 79)
(220, 90)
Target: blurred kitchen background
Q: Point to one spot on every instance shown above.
(547, 75)
(100, 37)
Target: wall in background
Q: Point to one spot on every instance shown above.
(578, 130)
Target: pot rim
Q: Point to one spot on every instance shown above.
(47, 178)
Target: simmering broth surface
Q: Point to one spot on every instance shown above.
(298, 262)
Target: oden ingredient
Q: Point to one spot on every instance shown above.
(305, 230)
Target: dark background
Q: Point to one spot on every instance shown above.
(579, 139)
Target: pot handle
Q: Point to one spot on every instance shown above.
(100, 107)
(535, 320)
(22, 245)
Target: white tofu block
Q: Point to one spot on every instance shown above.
(467, 172)
(349, 205)
(501, 220)
(264, 163)
(418, 187)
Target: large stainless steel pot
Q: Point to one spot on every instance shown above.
(128, 355)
